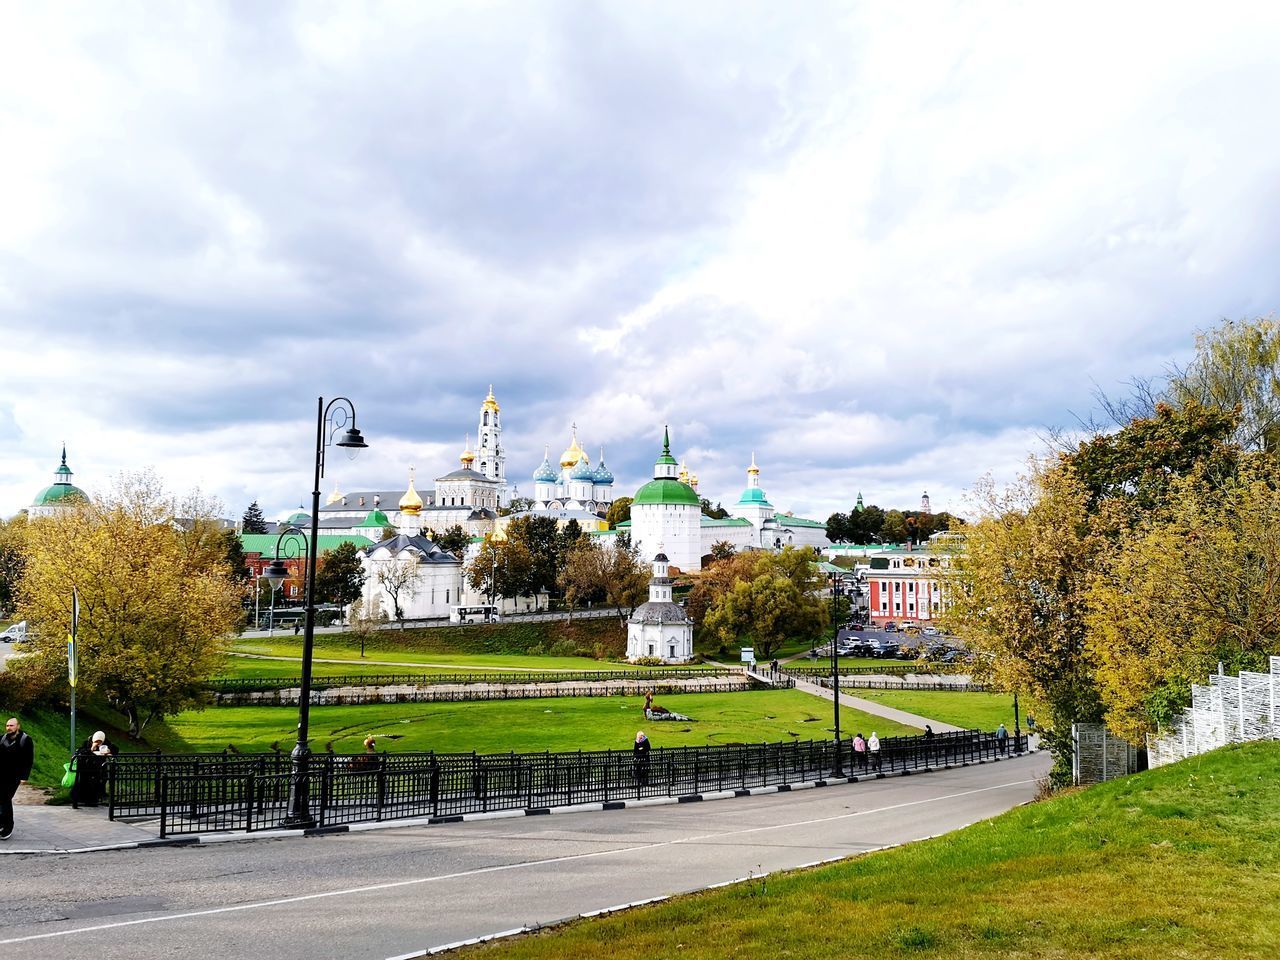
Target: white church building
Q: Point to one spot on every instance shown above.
(660, 628)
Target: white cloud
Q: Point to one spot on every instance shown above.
(883, 247)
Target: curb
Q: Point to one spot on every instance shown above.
(200, 839)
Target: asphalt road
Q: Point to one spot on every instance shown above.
(388, 893)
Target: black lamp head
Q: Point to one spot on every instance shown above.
(276, 572)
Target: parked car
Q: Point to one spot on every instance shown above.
(930, 632)
(890, 627)
(855, 625)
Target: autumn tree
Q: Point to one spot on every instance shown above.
(157, 602)
(13, 536)
(767, 598)
(619, 512)
(1197, 586)
(1236, 370)
(503, 567)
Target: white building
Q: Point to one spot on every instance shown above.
(660, 628)
(667, 512)
(413, 573)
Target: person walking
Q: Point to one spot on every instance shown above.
(873, 750)
(860, 752)
(17, 754)
(640, 758)
(1002, 739)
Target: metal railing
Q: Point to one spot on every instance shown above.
(873, 683)
(892, 668)
(198, 793)
(236, 684)
(371, 694)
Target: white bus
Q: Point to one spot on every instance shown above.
(484, 613)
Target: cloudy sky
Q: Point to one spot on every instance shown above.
(883, 249)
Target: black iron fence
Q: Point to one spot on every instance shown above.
(237, 684)
(890, 668)
(882, 683)
(371, 694)
(198, 793)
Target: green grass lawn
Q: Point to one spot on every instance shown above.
(980, 711)
(1181, 862)
(558, 724)
(384, 660)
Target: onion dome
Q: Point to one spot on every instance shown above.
(545, 473)
(583, 470)
(753, 470)
(411, 503)
(683, 475)
(333, 497)
(490, 403)
(573, 453)
(62, 489)
(468, 456)
(603, 474)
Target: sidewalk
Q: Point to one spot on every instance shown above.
(876, 709)
(41, 828)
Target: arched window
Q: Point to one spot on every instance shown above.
(486, 418)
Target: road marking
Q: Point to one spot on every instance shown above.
(478, 871)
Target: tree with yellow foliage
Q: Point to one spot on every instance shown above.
(157, 600)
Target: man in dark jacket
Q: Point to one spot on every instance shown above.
(17, 753)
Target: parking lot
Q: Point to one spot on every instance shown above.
(893, 645)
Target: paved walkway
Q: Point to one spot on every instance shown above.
(876, 709)
(41, 828)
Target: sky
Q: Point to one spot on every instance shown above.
(886, 248)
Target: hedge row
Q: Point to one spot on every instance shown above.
(597, 637)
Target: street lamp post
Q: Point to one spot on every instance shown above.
(329, 420)
(1017, 727)
(838, 769)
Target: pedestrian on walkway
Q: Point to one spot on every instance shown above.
(873, 750)
(1002, 739)
(17, 754)
(860, 752)
(640, 758)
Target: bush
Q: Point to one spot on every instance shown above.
(564, 648)
(648, 661)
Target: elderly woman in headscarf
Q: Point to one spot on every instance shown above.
(91, 770)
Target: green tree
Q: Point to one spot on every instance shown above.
(894, 528)
(838, 527)
(13, 537)
(455, 540)
(619, 512)
(253, 521)
(1236, 371)
(237, 566)
(715, 513)
(766, 610)
(517, 505)
(766, 598)
(157, 601)
(341, 576)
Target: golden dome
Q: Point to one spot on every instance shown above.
(335, 496)
(468, 456)
(683, 475)
(753, 469)
(411, 503)
(573, 453)
(490, 402)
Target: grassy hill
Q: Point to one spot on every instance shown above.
(1179, 862)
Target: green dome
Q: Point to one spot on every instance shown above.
(376, 518)
(59, 493)
(754, 495)
(666, 490)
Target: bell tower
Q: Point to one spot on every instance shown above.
(491, 458)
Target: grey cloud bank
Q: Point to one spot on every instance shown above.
(884, 250)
